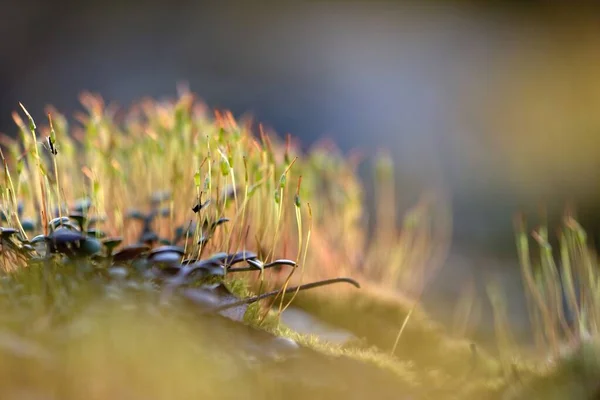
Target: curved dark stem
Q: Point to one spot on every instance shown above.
(305, 286)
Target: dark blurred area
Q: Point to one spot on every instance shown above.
(495, 102)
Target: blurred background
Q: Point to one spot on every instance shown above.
(499, 105)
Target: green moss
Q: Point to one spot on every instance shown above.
(575, 374)
(437, 366)
(69, 332)
(377, 317)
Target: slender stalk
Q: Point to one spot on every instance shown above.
(306, 286)
(404, 323)
(302, 264)
(52, 143)
(13, 197)
(43, 205)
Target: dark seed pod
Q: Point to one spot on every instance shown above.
(196, 209)
(28, 247)
(258, 264)
(163, 249)
(204, 239)
(65, 235)
(96, 233)
(6, 233)
(220, 221)
(130, 252)
(90, 246)
(203, 269)
(65, 241)
(234, 258)
(79, 218)
(59, 221)
(38, 239)
(28, 225)
(111, 243)
(279, 262)
(40, 244)
(169, 257)
(166, 254)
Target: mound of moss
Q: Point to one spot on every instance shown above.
(141, 253)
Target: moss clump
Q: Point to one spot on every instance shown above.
(574, 374)
(377, 316)
(121, 242)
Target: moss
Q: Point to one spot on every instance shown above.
(437, 366)
(69, 331)
(377, 316)
(575, 374)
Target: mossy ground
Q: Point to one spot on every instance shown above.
(122, 344)
(67, 336)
